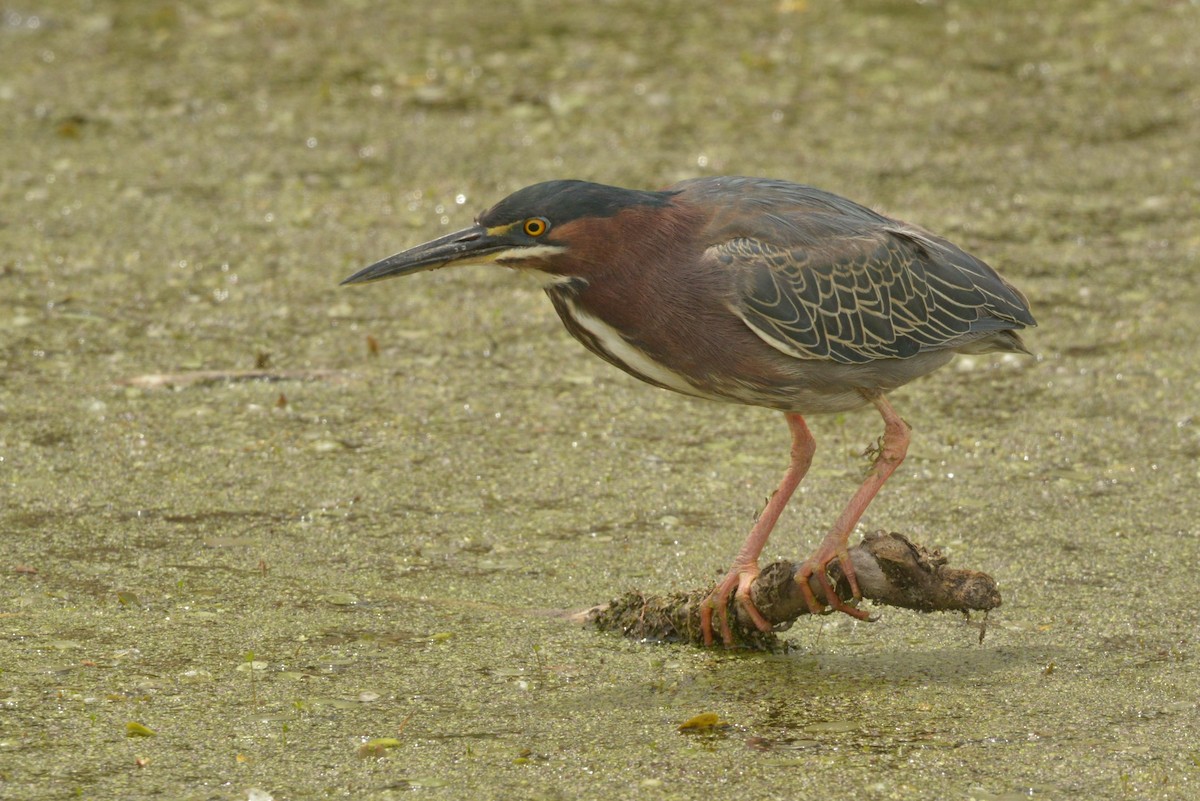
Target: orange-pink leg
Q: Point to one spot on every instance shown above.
(745, 566)
(892, 450)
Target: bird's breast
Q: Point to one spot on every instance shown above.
(609, 343)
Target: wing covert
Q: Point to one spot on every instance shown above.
(883, 292)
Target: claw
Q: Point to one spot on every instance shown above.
(739, 577)
(818, 568)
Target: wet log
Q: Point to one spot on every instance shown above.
(891, 570)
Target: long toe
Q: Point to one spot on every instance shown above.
(739, 579)
(818, 567)
(742, 598)
(717, 601)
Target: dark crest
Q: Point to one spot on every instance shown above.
(563, 201)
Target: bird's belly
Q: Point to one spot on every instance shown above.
(745, 370)
(817, 386)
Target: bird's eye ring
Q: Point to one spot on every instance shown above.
(536, 226)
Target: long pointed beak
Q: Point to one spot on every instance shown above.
(461, 246)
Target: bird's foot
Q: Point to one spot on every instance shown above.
(818, 566)
(738, 581)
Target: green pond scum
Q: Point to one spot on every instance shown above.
(321, 542)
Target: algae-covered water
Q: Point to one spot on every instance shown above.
(343, 583)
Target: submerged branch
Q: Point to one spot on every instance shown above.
(191, 378)
(891, 570)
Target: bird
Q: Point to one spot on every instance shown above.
(754, 291)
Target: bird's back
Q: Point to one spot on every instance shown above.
(823, 277)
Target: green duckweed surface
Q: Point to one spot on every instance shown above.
(345, 584)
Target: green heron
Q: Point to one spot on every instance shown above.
(755, 291)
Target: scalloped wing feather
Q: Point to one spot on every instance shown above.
(885, 291)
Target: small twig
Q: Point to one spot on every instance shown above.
(891, 570)
(190, 378)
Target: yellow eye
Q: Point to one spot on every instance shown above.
(536, 226)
